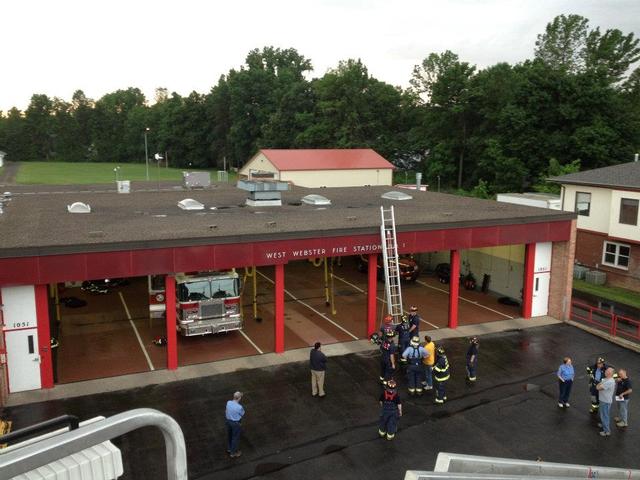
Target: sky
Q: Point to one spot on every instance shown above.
(57, 47)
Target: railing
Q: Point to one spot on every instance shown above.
(615, 325)
(21, 460)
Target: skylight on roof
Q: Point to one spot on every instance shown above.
(190, 204)
(395, 195)
(79, 207)
(314, 199)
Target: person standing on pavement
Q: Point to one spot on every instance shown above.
(414, 322)
(428, 362)
(391, 411)
(565, 374)
(414, 354)
(387, 355)
(318, 363)
(441, 374)
(606, 388)
(404, 336)
(233, 416)
(472, 359)
(596, 374)
(623, 395)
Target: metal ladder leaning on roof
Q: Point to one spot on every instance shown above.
(391, 264)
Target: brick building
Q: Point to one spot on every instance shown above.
(608, 233)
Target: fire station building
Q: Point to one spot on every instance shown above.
(297, 262)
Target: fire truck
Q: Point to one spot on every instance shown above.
(409, 269)
(206, 302)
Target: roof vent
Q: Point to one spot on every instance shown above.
(395, 195)
(314, 199)
(79, 207)
(190, 204)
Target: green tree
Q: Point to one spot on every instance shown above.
(562, 45)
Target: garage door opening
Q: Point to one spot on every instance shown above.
(102, 329)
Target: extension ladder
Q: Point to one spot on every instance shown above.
(391, 264)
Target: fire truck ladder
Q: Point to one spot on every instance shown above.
(391, 264)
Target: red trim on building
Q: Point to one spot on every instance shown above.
(134, 263)
(527, 286)
(44, 336)
(454, 288)
(279, 309)
(372, 292)
(172, 333)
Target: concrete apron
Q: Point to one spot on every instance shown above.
(156, 377)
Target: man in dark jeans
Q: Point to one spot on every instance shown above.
(233, 416)
(318, 363)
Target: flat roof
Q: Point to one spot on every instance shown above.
(531, 196)
(36, 222)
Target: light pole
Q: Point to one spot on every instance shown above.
(146, 154)
(116, 170)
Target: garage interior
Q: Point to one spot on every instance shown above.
(113, 334)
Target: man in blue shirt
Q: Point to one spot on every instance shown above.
(233, 417)
(414, 354)
(565, 374)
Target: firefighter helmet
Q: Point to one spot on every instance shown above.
(389, 331)
(415, 341)
(388, 319)
(391, 384)
(474, 340)
(405, 319)
(440, 350)
(600, 360)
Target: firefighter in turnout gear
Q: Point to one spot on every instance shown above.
(387, 355)
(441, 375)
(472, 359)
(404, 336)
(391, 411)
(414, 321)
(414, 354)
(596, 374)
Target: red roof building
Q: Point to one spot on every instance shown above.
(315, 168)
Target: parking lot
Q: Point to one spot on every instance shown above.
(93, 338)
(510, 412)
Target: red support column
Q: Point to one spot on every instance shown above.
(527, 287)
(372, 294)
(170, 313)
(279, 309)
(44, 336)
(454, 288)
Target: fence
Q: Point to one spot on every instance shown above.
(615, 325)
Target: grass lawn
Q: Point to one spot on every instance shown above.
(616, 294)
(64, 173)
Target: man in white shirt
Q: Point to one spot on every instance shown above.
(606, 388)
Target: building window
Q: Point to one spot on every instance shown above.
(616, 255)
(629, 211)
(583, 203)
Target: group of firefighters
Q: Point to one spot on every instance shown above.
(423, 363)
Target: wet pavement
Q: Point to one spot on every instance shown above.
(510, 412)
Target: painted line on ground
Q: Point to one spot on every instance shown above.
(380, 299)
(135, 330)
(251, 342)
(465, 299)
(311, 308)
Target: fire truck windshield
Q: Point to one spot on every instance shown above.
(205, 289)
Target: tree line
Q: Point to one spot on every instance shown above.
(574, 104)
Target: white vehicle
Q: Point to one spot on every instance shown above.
(206, 302)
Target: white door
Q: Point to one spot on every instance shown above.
(23, 360)
(540, 304)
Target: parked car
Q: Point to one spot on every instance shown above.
(409, 269)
